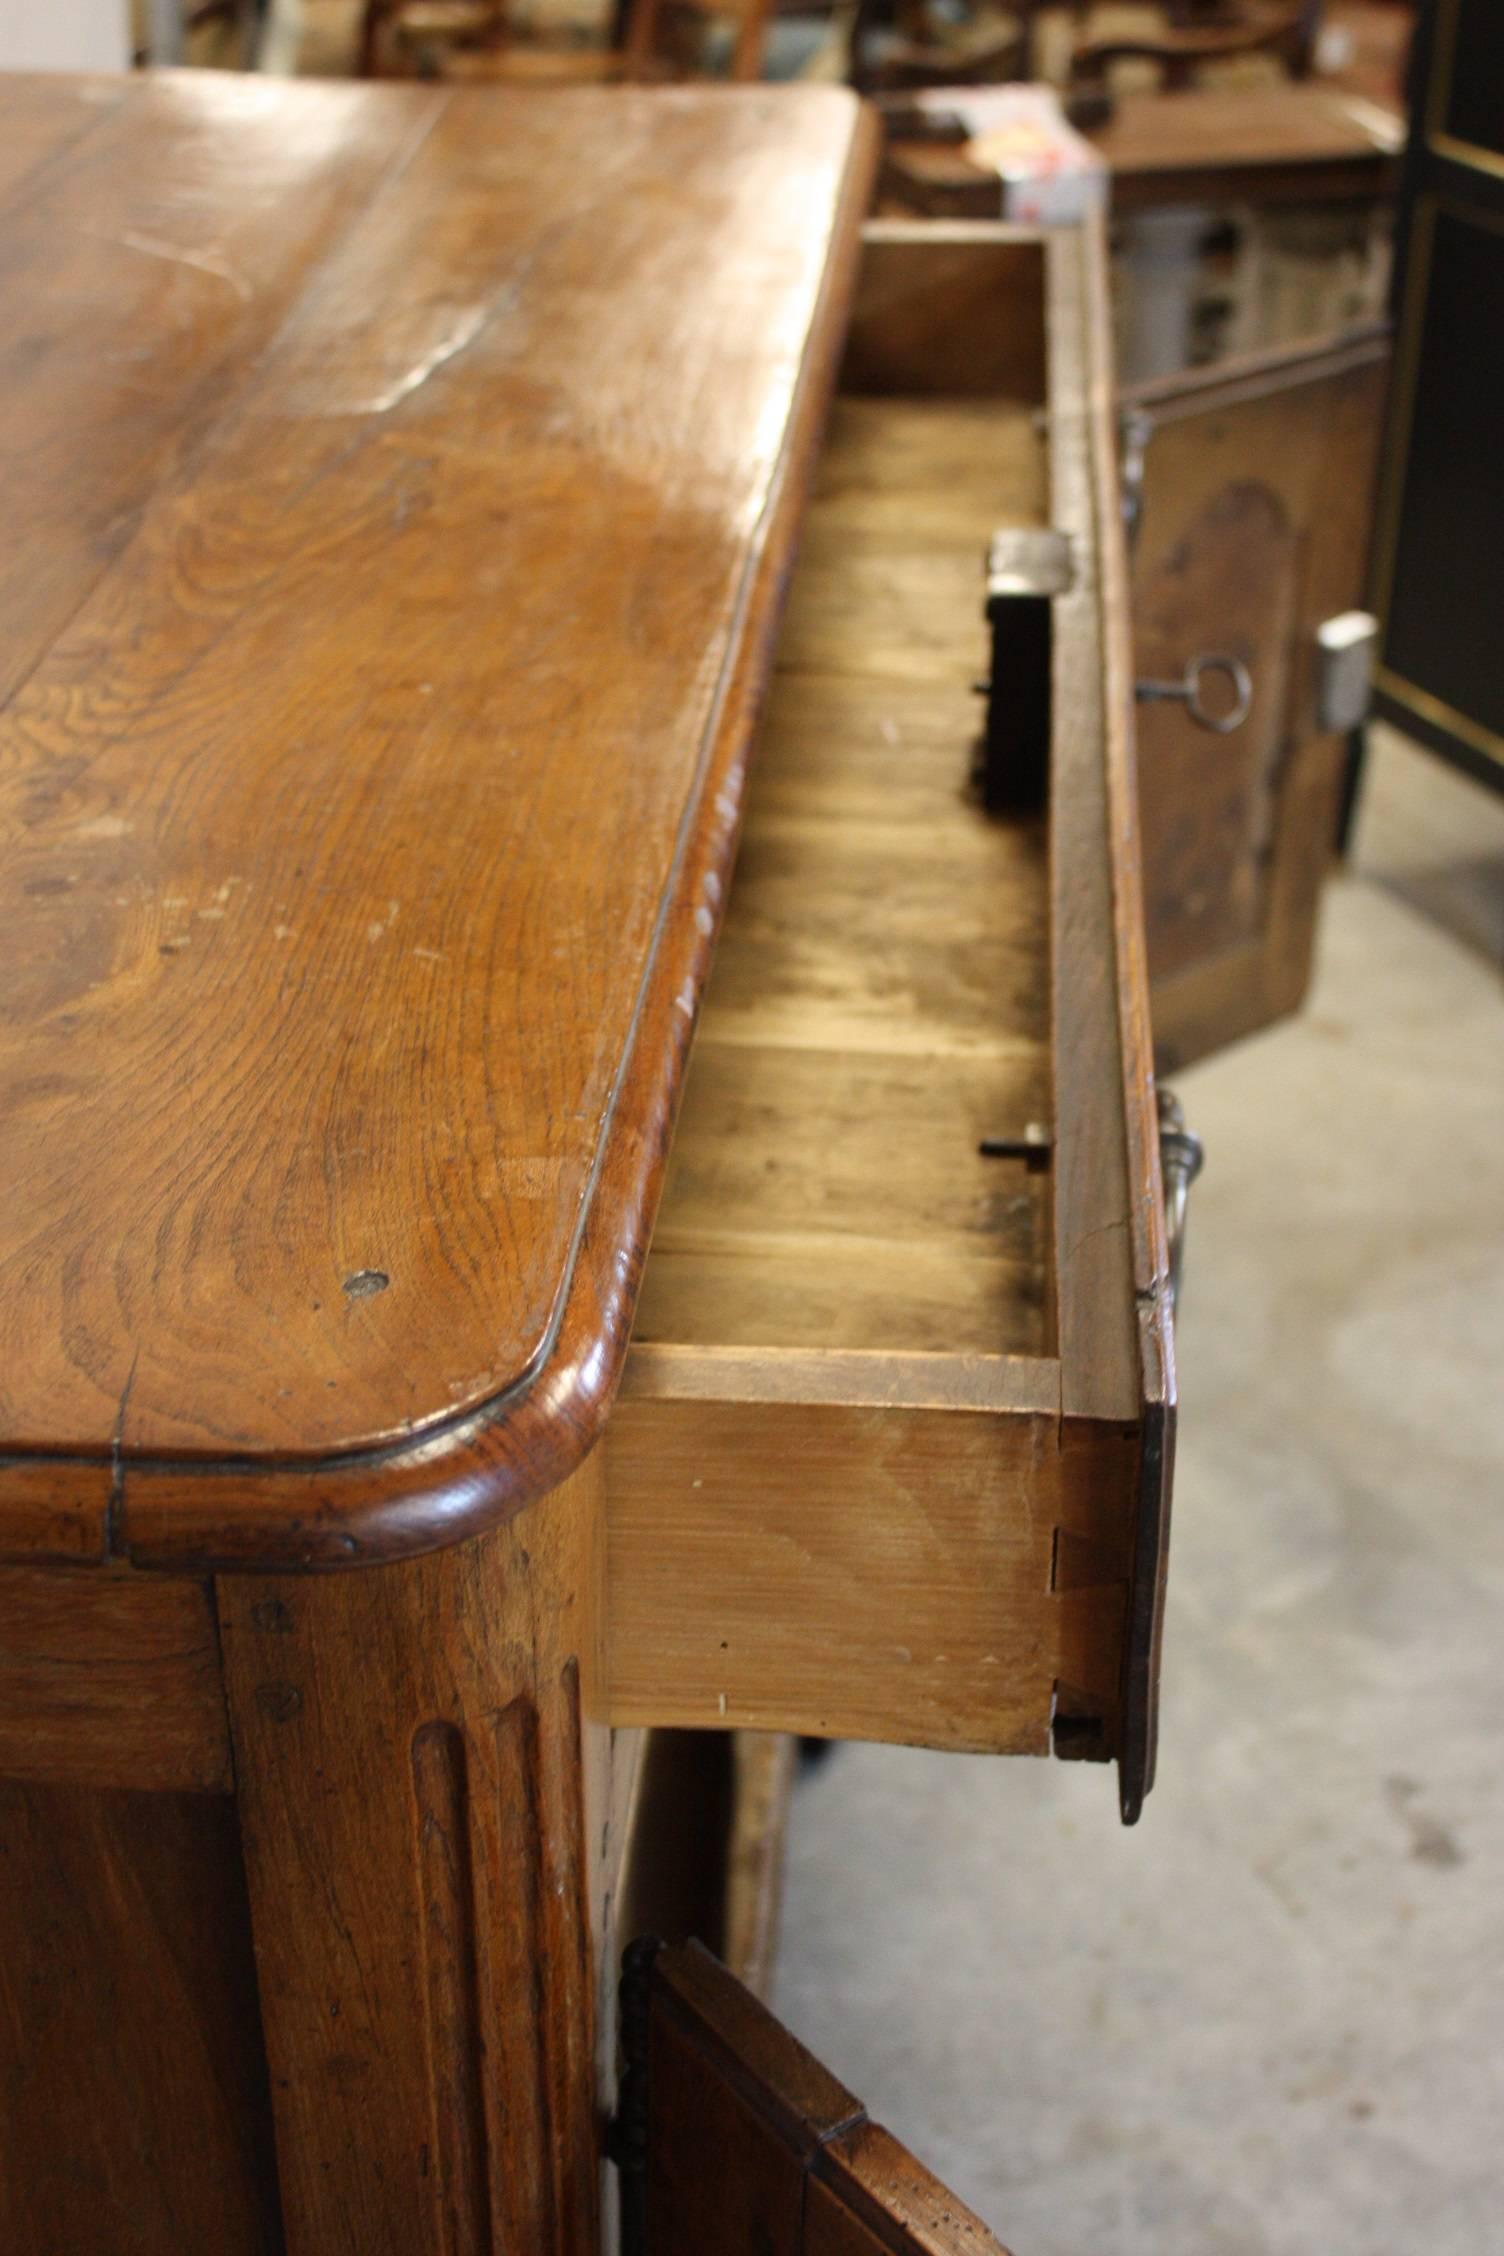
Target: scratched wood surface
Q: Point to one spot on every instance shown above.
(405, 479)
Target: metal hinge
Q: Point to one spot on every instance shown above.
(627, 2131)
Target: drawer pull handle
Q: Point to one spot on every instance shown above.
(1181, 1158)
(1189, 692)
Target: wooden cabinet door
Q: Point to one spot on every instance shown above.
(733, 2138)
(1255, 502)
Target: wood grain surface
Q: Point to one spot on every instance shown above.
(880, 1000)
(1267, 460)
(847, 1546)
(134, 2112)
(1097, 1176)
(764, 1767)
(111, 1680)
(1147, 1241)
(867, 1356)
(422, 1791)
(799, 2168)
(408, 482)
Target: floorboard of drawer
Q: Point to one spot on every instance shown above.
(890, 1295)
(923, 471)
(880, 999)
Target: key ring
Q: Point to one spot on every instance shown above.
(1188, 692)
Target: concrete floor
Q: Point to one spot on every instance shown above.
(1269, 2022)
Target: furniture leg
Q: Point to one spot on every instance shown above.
(165, 32)
(411, 1751)
(279, 39)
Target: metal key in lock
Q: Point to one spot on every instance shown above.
(1189, 692)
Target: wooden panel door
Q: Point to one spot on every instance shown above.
(732, 2137)
(1254, 485)
(1443, 487)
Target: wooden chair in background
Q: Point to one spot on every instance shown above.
(923, 49)
(653, 40)
(644, 47)
(1199, 33)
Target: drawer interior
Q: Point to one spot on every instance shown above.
(880, 999)
(875, 1469)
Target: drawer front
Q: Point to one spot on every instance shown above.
(892, 1454)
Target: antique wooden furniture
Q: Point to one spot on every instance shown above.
(1441, 678)
(925, 47)
(802, 2169)
(935, 48)
(390, 657)
(645, 28)
(1253, 486)
(480, 39)
(1248, 145)
(1370, 49)
(1198, 37)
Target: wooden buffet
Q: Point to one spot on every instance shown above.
(404, 490)
(1261, 145)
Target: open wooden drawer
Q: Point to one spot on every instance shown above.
(892, 1453)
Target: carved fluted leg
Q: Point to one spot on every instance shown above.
(412, 1753)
